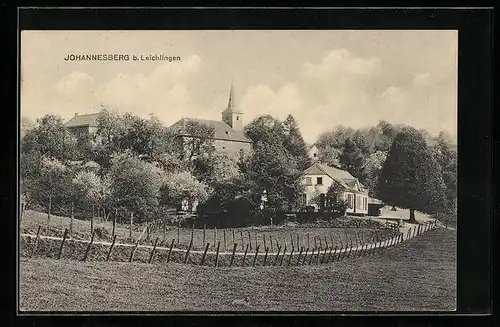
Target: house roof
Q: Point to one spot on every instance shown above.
(222, 130)
(83, 120)
(341, 176)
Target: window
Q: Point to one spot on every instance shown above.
(350, 200)
(303, 199)
(314, 155)
(237, 117)
(227, 133)
(223, 148)
(308, 181)
(319, 181)
(241, 153)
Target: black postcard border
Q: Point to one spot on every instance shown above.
(475, 130)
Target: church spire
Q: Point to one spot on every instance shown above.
(232, 115)
(231, 103)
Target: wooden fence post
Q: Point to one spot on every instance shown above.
(329, 255)
(315, 243)
(317, 256)
(204, 254)
(187, 253)
(71, 219)
(298, 241)
(170, 250)
(305, 256)
(192, 233)
(300, 253)
(217, 255)
(204, 233)
(324, 255)
(244, 256)
(271, 242)
(111, 248)
(225, 242)
(153, 251)
(62, 243)
(310, 258)
(131, 258)
(264, 238)
(178, 232)
(215, 235)
(256, 253)
(88, 247)
(277, 256)
(265, 257)
(232, 256)
(308, 243)
(35, 244)
(234, 238)
(241, 234)
(290, 257)
(250, 240)
(283, 256)
(130, 226)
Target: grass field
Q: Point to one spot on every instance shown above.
(419, 274)
(308, 236)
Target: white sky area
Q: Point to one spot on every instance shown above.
(323, 78)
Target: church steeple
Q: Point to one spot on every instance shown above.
(232, 115)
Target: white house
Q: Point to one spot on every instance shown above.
(313, 153)
(319, 177)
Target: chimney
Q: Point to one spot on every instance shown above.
(76, 114)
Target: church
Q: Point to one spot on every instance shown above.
(229, 135)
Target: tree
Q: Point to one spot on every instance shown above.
(134, 184)
(371, 169)
(200, 142)
(295, 145)
(445, 153)
(26, 125)
(269, 169)
(182, 186)
(351, 158)
(217, 167)
(411, 177)
(265, 129)
(50, 138)
(90, 190)
(49, 185)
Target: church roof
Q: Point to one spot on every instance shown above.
(83, 120)
(222, 130)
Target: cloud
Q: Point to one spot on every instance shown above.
(164, 91)
(341, 61)
(74, 83)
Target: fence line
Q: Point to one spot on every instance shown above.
(334, 255)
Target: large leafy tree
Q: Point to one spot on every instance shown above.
(371, 170)
(269, 169)
(134, 184)
(411, 177)
(49, 138)
(49, 185)
(200, 142)
(294, 143)
(445, 153)
(266, 129)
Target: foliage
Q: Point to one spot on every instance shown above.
(182, 186)
(49, 138)
(200, 142)
(294, 143)
(135, 184)
(411, 176)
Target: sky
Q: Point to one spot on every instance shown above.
(324, 78)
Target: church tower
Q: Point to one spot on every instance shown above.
(232, 115)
